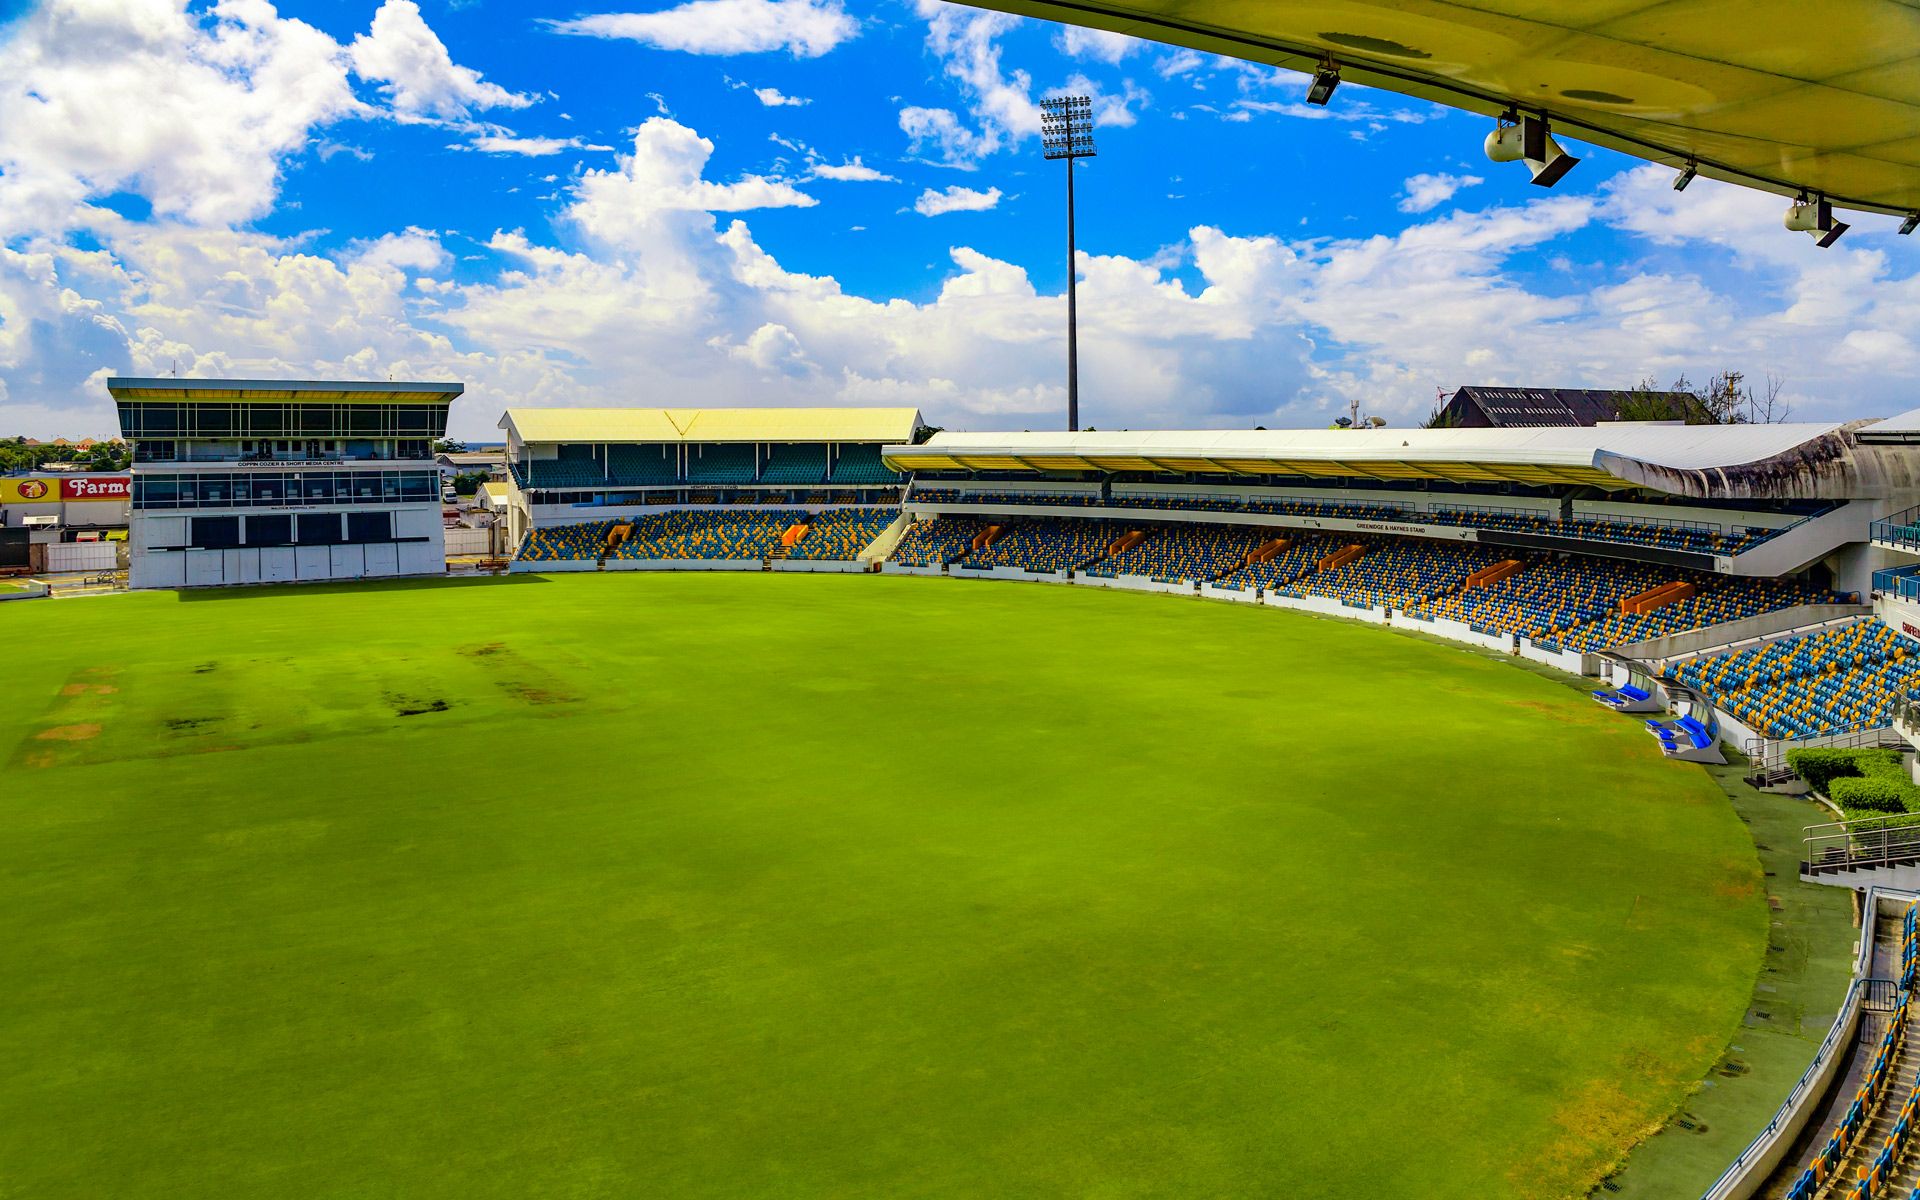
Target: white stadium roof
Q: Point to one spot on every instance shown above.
(1696, 460)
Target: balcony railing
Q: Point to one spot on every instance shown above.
(1902, 529)
(1899, 583)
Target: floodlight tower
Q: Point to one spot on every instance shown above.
(1066, 131)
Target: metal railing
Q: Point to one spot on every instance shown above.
(1788, 1118)
(1902, 529)
(1901, 583)
(1767, 757)
(1810, 1080)
(1862, 843)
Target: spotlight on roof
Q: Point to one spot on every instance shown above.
(1325, 80)
(1686, 176)
(1527, 139)
(1815, 217)
(1910, 224)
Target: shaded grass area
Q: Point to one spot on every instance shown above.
(709, 885)
(1809, 964)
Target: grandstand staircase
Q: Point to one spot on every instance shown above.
(1898, 1182)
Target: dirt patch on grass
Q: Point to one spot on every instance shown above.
(185, 726)
(484, 651)
(69, 733)
(88, 689)
(39, 760)
(528, 693)
(404, 705)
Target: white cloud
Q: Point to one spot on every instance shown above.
(850, 172)
(955, 199)
(98, 98)
(804, 28)
(1425, 191)
(774, 98)
(1001, 102)
(665, 173)
(1079, 42)
(412, 64)
(1180, 62)
(415, 249)
(504, 142)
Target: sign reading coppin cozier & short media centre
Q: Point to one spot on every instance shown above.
(48, 489)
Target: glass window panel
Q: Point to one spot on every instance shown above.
(216, 533)
(273, 530)
(370, 527)
(319, 529)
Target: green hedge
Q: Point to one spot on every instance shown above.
(1873, 794)
(1863, 781)
(1821, 766)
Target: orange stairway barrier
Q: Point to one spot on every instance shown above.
(617, 535)
(988, 536)
(1488, 576)
(1658, 597)
(1340, 557)
(1126, 541)
(1266, 551)
(794, 533)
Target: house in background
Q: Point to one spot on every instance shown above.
(1477, 407)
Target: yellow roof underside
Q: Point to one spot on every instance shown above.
(713, 424)
(1459, 472)
(1776, 94)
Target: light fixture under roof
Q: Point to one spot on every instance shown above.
(1686, 175)
(1325, 80)
(1910, 224)
(1527, 139)
(1815, 216)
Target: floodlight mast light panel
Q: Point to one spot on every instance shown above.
(1066, 127)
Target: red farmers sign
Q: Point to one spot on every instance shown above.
(96, 487)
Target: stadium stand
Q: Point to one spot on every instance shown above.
(796, 465)
(1397, 573)
(565, 473)
(725, 463)
(1836, 681)
(842, 533)
(1718, 598)
(1047, 546)
(1692, 536)
(1547, 596)
(707, 533)
(1298, 556)
(860, 466)
(643, 466)
(1852, 1164)
(1194, 553)
(937, 542)
(563, 543)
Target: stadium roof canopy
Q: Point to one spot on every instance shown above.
(1781, 95)
(628, 425)
(1776, 461)
(281, 391)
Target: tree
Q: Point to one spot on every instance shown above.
(449, 446)
(1727, 399)
(1441, 416)
(468, 482)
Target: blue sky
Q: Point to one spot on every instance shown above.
(809, 201)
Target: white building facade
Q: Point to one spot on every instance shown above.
(241, 481)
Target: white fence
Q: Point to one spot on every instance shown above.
(82, 556)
